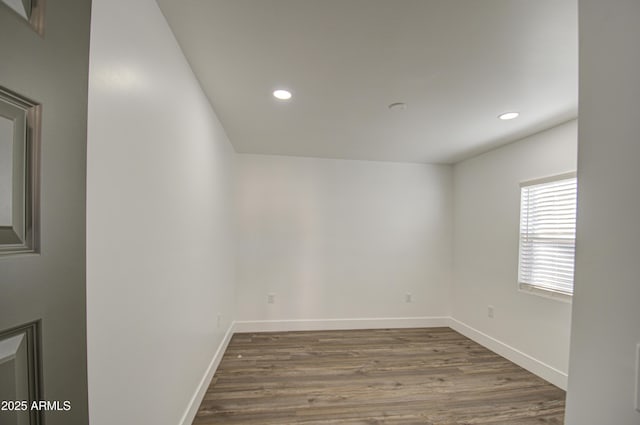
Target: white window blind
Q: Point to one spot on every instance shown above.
(548, 234)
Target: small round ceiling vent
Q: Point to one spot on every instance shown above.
(398, 106)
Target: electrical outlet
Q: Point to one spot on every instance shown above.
(490, 312)
(407, 297)
(271, 298)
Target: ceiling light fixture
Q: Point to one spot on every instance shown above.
(508, 115)
(282, 94)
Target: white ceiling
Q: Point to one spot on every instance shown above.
(457, 64)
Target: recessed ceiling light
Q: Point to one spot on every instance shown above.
(508, 115)
(398, 106)
(282, 94)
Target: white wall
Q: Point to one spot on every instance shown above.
(486, 223)
(338, 239)
(160, 250)
(606, 311)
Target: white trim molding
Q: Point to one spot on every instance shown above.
(340, 324)
(196, 399)
(533, 365)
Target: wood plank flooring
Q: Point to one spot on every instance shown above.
(431, 376)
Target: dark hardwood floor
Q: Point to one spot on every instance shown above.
(431, 376)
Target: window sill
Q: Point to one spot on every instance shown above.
(545, 293)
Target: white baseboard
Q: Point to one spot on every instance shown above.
(339, 324)
(543, 370)
(535, 366)
(196, 399)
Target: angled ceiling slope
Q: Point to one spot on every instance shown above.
(457, 64)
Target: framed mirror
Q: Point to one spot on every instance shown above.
(19, 176)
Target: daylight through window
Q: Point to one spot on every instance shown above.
(548, 234)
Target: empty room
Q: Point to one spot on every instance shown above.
(299, 212)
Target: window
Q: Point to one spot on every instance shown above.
(548, 235)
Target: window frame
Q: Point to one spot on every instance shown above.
(532, 288)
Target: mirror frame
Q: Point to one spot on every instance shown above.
(23, 235)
